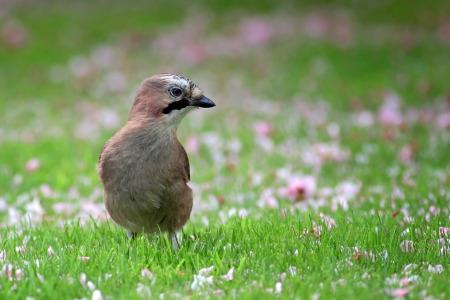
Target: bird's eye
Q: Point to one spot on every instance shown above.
(175, 92)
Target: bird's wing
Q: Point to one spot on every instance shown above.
(184, 161)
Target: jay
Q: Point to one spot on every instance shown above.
(143, 167)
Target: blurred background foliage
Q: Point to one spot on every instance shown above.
(54, 31)
(337, 111)
(69, 71)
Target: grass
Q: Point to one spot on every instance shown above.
(259, 250)
(346, 240)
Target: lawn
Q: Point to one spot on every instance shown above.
(322, 173)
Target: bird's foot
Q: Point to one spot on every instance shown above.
(174, 241)
(131, 235)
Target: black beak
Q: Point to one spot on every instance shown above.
(202, 102)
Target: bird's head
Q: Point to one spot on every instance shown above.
(167, 98)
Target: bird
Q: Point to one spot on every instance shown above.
(144, 169)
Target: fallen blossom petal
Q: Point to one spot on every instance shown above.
(195, 283)
(97, 295)
(3, 205)
(364, 118)
(389, 113)
(83, 279)
(200, 281)
(63, 208)
(331, 223)
(333, 130)
(443, 120)
(192, 144)
(390, 117)
(84, 258)
(9, 271)
(147, 273)
(263, 128)
(278, 287)
(46, 190)
(50, 251)
(14, 34)
(408, 268)
(267, 199)
(33, 165)
(401, 292)
(406, 154)
(19, 274)
(143, 290)
(301, 187)
(91, 285)
(256, 31)
(229, 275)
(435, 269)
(407, 246)
(404, 281)
(205, 271)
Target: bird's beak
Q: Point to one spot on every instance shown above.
(202, 102)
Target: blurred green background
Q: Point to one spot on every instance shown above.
(69, 71)
(386, 39)
(335, 111)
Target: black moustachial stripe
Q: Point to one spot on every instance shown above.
(176, 105)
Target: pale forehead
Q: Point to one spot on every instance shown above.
(178, 80)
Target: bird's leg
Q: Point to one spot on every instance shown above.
(174, 241)
(131, 235)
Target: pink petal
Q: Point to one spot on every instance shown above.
(83, 279)
(256, 31)
(390, 117)
(84, 258)
(404, 281)
(50, 251)
(14, 34)
(97, 295)
(406, 154)
(444, 231)
(301, 187)
(263, 128)
(443, 120)
(18, 274)
(192, 144)
(32, 165)
(401, 292)
(229, 275)
(46, 190)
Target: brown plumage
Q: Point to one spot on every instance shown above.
(143, 167)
